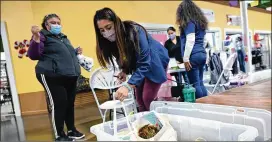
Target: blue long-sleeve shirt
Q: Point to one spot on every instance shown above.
(152, 60)
(199, 38)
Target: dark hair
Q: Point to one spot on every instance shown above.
(47, 17)
(171, 29)
(187, 12)
(124, 48)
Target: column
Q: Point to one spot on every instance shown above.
(245, 32)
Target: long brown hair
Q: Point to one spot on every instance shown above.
(126, 44)
(187, 12)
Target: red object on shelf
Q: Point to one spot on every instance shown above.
(257, 37)
(246, 58)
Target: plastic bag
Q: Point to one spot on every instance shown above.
(165, 89)
(85, 62)
(166, 131)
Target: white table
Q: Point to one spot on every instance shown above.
(176, 70)
(180, 69)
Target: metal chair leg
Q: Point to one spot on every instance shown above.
(209, 92)
(110, 114)
(123, 112)
(219, 79)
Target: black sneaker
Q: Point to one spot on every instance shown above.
(64, 137)
(75, 134)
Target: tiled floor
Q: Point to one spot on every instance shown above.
(10, 129)
(39, 128)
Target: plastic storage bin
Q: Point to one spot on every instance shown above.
(258, 118)
(187, 128)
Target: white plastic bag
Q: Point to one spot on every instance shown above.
(85, 62)
(166, 132)
(165, 89)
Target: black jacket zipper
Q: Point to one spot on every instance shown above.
(71, 56)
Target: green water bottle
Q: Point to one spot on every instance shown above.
(189, 93)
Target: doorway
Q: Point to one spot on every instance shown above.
(234, 32)
(265, 49)
(9, 97)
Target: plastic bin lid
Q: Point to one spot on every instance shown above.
(250, 112)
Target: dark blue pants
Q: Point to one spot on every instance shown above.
(195, 75)
(241, 59)
(179, 76)
(206, 68)
(185, 77)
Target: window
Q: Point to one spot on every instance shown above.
(213, 35)
(211, 39)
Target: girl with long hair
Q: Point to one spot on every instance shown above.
(193, 25)
(136, 53)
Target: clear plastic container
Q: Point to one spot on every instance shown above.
(258, 118)
(187, 128)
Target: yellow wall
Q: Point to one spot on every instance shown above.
(77, 20)
(19, 17)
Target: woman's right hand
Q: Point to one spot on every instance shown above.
(188, 66)
(36, 33)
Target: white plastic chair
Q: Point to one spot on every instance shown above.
(227, 68)
(104, 79)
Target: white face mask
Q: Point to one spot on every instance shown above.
(55, 29)
(172, 36)
(110, 35)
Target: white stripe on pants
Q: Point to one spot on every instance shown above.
(51, 103)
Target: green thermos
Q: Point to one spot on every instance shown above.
(189, 93)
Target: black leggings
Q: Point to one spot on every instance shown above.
(61, 92)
